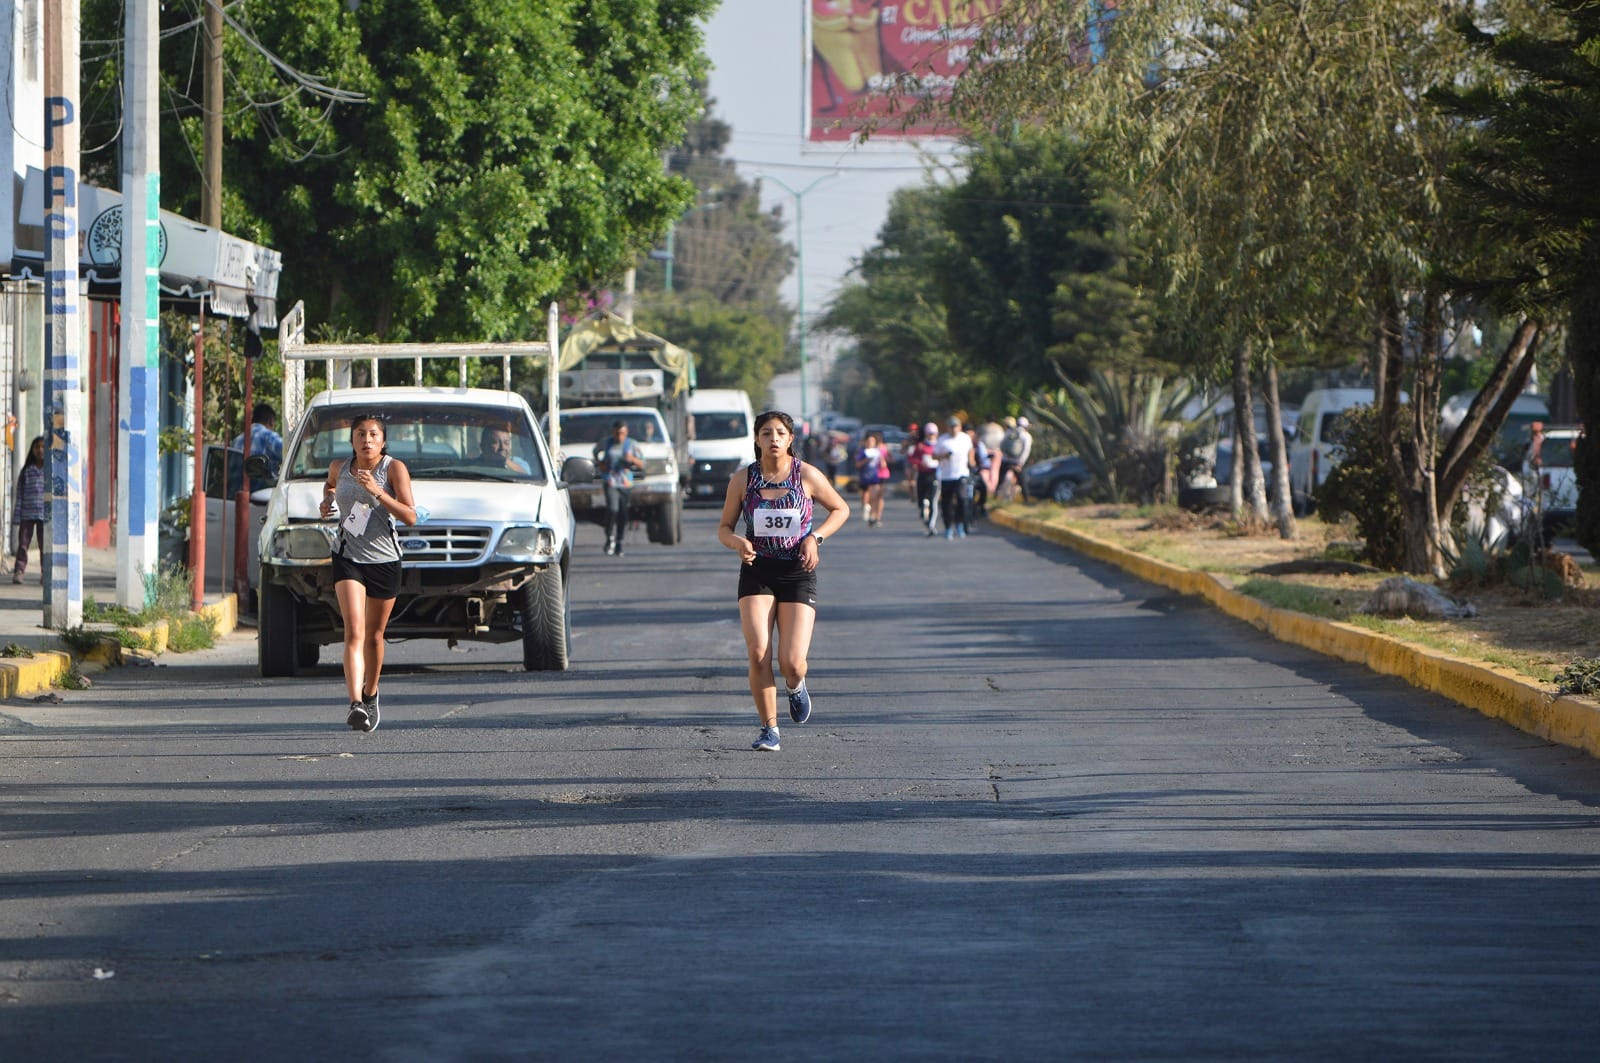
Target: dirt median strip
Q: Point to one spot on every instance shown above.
(1491, 690)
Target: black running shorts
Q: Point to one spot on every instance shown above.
(782, 578)
(380, 578)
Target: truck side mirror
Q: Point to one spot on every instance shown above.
(257, 467)
(577, 471)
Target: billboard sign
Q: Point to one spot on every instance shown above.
(859, 49)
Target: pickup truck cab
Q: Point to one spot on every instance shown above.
(488, 558)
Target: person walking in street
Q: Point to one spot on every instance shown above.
(954, 452)
(768, 519)
(872, 473)
(372, 492)
(31, 509)
(618, 458)
(926, 463)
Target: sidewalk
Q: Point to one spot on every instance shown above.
(22, 623)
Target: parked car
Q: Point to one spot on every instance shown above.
(1058, 479)
(1315, 450)
(1554, 480)
(1217, 494)
(1512, 439)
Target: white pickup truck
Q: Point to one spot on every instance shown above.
(488, 558)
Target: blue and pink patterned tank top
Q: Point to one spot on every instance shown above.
(776, 525)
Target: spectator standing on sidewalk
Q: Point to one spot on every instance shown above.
(1015, 447)
(31, 509)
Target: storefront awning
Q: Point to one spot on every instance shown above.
(195, 260)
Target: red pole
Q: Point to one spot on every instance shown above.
(241, 518)
(197, 504)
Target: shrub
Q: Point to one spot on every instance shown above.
(1360, 486)
(1581, 677)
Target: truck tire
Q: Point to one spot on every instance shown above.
(307, 653)
(277, 647)
(672, 523)
(546, 621)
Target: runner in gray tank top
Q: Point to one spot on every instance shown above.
(371, 493)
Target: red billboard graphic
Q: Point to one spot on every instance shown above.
(859, 50)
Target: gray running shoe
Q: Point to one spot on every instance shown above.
(371, 705)
(358, 719)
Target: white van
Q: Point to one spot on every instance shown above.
(721, 439)
(1315, 449)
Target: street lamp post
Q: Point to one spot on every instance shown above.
(800, 266)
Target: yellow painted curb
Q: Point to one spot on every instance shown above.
(223, 613)
(1491, 690)
(21, 676)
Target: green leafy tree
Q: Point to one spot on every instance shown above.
(893, 309)
(1528, 183)
(735, 345)
(503, 153)
(1289, 179)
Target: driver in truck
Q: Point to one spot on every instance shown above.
(494, 450)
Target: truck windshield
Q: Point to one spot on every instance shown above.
(591, 428)
(436, 442)
(720, 426)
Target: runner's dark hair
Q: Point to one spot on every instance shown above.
(774, 415)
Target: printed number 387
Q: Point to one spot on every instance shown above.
(778, 522)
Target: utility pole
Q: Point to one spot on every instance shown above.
(138, 374)
(211, 186)
(63, 321)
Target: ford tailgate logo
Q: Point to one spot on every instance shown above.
(415, 544)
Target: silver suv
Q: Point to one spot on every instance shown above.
(487, 560)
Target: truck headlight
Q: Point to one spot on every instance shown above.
(537, 541)
(303, 542)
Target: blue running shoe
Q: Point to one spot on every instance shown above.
(768, 742)
(800, 704)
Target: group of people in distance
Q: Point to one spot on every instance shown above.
(958, 469)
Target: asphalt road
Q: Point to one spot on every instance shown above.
(1042, 811)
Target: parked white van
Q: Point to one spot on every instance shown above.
(1315, 449)
(722, 438)
(1512, 439)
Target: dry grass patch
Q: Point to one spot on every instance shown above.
(1513, 628)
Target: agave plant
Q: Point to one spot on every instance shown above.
(1125, 427)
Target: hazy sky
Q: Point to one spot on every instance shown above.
(756, 48)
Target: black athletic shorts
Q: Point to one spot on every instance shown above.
(784, 579)
(380, 578)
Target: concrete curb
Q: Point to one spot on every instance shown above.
(1491, 690)
(23, 676)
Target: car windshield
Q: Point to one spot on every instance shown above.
(591, 428)
(1556, 452)
(436, 442)
(716, 426)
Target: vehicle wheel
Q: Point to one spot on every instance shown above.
(307, 653)
(672, 524)
(546, 621)
(276, 644)
(1062, 491)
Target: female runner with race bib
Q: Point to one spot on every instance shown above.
(771, 502)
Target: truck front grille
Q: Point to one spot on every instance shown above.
(451, 545)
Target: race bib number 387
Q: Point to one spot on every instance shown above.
(776, 523)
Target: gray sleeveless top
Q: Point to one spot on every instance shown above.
(380, 541)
